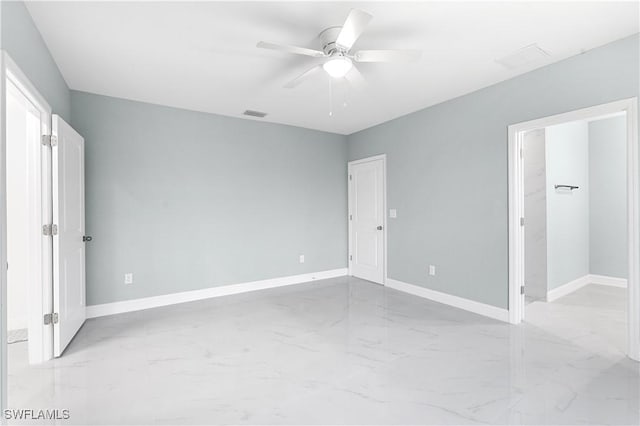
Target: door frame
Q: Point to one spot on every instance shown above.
(40, 291)
(350, 164)
(516, 210)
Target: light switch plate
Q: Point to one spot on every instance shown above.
(432, 270)
(128, 278)
(393, 213)
(302, 258)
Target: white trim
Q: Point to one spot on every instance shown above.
(94, 311)
(633, 230)
(567, 288)
(607, 280)
(368, 159)
(578, 283)
(516, 234)
(17, 77)
(382, 157)
(39, 286)
(3, 231)
(479, 308)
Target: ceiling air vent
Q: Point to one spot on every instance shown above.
(528, 55)
(252, 113)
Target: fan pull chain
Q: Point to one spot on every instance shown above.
(345, 93)
(330, 97)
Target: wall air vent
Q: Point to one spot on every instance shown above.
(529, 55)
(252, 113)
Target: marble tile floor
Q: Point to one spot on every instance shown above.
(339, 351)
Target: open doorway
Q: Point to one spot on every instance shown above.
(29, 252)
(576, 229)
(573, 225)
(23, 134)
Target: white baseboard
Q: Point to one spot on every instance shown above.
(94, 311)
(448, 299)
(578, 283)
(607, 280)
(567, 288)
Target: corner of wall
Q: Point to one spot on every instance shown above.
(22, 40)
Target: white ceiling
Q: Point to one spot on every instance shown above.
(202, 56)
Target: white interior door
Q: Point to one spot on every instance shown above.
(68, 246)
(366, 205)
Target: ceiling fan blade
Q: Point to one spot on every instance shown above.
(387, 55)
(352, 29)
(355, 78)
(296, 81)
(291, 49)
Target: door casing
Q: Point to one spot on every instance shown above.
(40, 290)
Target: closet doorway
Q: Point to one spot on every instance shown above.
(574, 223)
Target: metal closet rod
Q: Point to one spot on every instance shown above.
(571, 187)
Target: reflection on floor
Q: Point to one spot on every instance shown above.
(340, 351)
(593, 317)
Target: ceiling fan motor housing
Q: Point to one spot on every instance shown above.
(328, 40)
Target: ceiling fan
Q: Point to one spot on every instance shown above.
(336, 45)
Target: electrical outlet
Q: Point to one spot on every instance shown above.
(393, 213)
(128, 278)
(302, 258)
(432, 270)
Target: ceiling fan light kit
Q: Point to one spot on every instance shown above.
(338, 67)
(336, 44)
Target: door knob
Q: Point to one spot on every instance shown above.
(379, 228)
(87, 238)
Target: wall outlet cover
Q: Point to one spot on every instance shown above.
(393, 213)
(128, 278)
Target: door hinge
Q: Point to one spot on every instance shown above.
(50, 319)
(350, 257)
(49, 140)
(350, 177)
(49, 230)
(350, 217)
(521, 289)
(522, 221)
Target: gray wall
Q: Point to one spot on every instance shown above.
(447, 168)
(22, 40)
(608, 198)
(567, 153)
(188, 200)
(535, 212)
